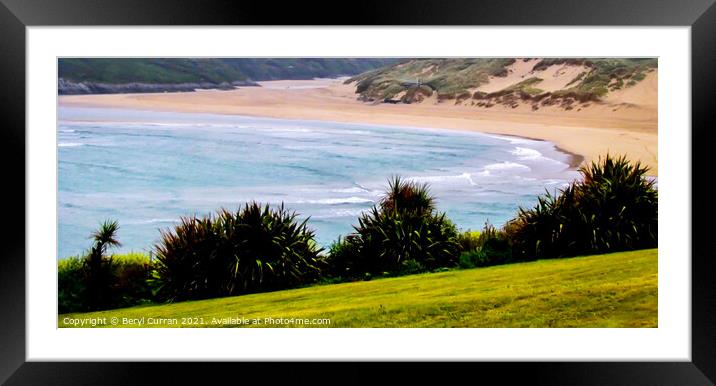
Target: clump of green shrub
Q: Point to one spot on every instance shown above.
(133, 280)
(129, 283)
(486, 248)
(254, 249)
(416, 94)
(403, 233)
(614, 207)
(71, 286)
(97, 281)
(469, 240)
(344, 258)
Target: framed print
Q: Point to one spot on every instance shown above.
(446, 183)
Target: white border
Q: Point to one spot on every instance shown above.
(670, 341)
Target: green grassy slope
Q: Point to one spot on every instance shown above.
(187, 70)
(612, 290)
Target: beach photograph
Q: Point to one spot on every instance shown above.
(357, 192)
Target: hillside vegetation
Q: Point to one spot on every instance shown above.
(184, 70)
(485, 82)
(612, 290)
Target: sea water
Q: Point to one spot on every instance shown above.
(147, 169)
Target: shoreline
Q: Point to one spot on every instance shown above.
(575, 160)
(584, 136)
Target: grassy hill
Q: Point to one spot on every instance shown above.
(509, 81)
(612, 290)
(187, 70)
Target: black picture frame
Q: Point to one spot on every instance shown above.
(16, 15)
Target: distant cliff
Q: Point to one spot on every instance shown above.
(131, 75)
(67, 87)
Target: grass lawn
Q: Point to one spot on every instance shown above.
(612, 290)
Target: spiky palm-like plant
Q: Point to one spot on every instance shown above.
(186, 258)
(535, 233)
(257, 248)
(618, 204)
(407, 196)
(98, 266)
(276, 251)
(613, 208)
(403, 229)
(390, 239)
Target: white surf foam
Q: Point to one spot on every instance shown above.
(507, 166)
(69, 144)
(526, 154)
(337, 201)
(291, 130)
(156, 221)
(340, 213)
(354, 189)
(438, 179)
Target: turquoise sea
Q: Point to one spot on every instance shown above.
(146, 169)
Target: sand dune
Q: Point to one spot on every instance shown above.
(558, 77)
(643, 94)
(516, 73)
(554, 77)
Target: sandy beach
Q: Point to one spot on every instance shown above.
(624, 123)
